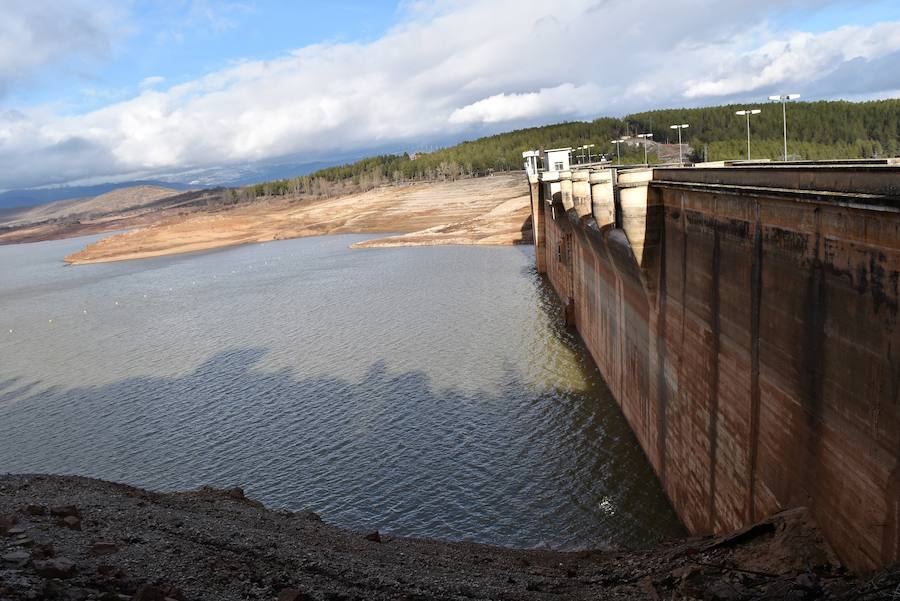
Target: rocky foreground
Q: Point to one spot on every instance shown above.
(77, 538)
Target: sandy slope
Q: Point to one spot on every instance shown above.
(490, 210)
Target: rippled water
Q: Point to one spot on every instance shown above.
(421, 391)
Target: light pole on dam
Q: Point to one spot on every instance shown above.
(748, 113)
(680, 127)
(783, 98)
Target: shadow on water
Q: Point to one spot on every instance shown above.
(513, 466)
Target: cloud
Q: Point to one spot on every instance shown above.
(451, 69)
(37, 34)
(561, 101)
(800, 59)
(152, 81)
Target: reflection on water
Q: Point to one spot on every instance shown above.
(424, 391)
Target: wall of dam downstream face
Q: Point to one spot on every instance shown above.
(745, 319)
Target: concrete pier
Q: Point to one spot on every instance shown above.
(745, 318)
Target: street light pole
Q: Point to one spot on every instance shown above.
(747, 113)
(679, 127)
(783, 98)
(647, 139)
(618, 154)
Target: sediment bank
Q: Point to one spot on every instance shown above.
(78, 538)
(487, 210)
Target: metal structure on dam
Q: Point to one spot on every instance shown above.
(745, 319)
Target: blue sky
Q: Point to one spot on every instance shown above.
(181, 40)
(94, 90)
(831, 16)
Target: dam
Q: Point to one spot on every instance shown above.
(745, 319)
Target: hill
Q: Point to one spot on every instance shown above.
(17, 199)
(140, 206)
(816, 130)
(122, 199)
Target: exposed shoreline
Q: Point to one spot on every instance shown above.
(125, 543)
(489, 210)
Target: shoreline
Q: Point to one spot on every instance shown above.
(491, 210)
(94, 539)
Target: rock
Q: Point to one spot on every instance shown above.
(110, 571)
(59, 567)
(42, 551)
(237, 493)
(374, 536)
(16, 557)
(34, 509)
(7, 522)
(725, 591)
(157, 592)
(71, 522)
(104, 548)
(62, 511)
(290, 594)
(17, 531)
(149, 593)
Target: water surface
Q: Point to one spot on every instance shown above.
(422, 391)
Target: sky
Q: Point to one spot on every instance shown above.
(113, 90)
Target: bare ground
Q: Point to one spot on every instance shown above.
(490, 210)
(78, 538)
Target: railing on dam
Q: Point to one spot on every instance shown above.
(745, 318)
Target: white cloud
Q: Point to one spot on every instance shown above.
(152, 81)
(561, 101)
(797, 59)
(37, 34)
(450, 68)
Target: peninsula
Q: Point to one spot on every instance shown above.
(485, 210)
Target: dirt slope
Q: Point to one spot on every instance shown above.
(77, 538)
(492, 210)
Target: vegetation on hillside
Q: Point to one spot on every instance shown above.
(816, 130)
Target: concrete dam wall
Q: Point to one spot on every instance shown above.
(745, 318)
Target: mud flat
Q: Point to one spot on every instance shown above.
(489, 210)
(77, 538)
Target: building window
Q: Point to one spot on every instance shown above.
(558, 166)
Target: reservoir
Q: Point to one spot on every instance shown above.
(430, 392)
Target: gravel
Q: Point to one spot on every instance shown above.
(217, 544)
